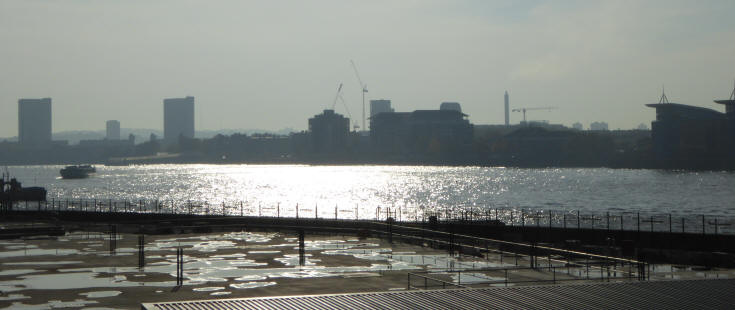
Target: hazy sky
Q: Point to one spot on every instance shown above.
(274, 64)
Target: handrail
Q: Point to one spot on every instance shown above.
(630, 261)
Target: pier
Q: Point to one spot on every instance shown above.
(651, 238)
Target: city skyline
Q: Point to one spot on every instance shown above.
(596, 61)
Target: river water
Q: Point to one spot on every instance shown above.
(321, 188)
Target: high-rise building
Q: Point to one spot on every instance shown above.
(178, 119)
(507, 109)
(113, 130)
(34, 121)
(329, 132)
(379, 106)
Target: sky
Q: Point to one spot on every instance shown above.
(273, 64)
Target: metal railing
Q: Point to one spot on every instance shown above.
(608, 220)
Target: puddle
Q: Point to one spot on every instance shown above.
(208, 289)
(244, 266)
(21, 247)
(293, 260)
(474, 278)
(52, 304)
(76, 280)
(251, 285)
(38, 252)
(101, 294)
(14, 297)
(61, 262)
(15, 272)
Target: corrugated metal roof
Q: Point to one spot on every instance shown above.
(684, 294)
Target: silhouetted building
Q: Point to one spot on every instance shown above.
(577, 126)
(178, 119)
(454, 106)
(379, 106)
(34, 121)
(445, 134)
(507, 108)
(329, 132)
(730, 115)
(113, 130)
(687, 132)
(602, 126)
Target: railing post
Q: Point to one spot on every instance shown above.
(703, 225)
(523, 218)
(579, 221)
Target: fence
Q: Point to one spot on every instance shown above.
(609, 220)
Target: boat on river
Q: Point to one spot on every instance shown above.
(12, 191)
(77, 171)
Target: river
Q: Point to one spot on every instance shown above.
(422, 187)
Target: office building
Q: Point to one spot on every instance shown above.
(379, 106)
(422, 132)
(113, 130)
(329, 132)
(507, 109)
(685, 132)
(34, 121)
(178, 119)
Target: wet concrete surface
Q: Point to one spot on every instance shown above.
(98, 271)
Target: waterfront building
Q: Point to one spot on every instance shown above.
(600, 126)
(379, 106)
(730, 116)
(577, 126)
(329, 132)
(422, 132)
(34, 121)
(685, 132)
(178, 119)
(113, 130)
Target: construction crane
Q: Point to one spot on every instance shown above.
(531, 109)
(339, 90)
(339, 97)
(364, 90)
